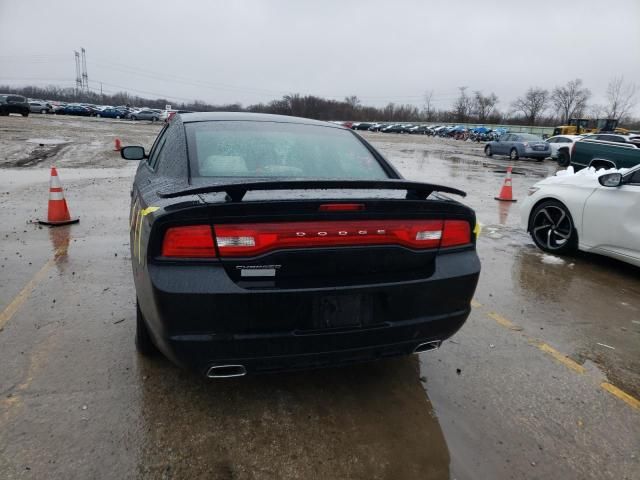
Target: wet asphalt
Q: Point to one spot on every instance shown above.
(533, 386)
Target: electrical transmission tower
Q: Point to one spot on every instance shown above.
(85, 75)
(78, 77)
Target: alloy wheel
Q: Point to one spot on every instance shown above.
(552, 228)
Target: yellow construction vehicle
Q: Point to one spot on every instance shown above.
(581, 126)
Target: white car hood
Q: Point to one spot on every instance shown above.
(587, 177)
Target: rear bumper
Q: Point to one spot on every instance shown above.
(199, 318)
(536, 153)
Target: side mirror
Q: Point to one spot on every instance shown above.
(133, 153)
(610, 180)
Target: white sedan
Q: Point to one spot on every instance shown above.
(593, 211)
(561, 148)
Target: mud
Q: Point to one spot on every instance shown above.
(68, 141)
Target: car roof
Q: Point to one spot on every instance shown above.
(566, 136)
(250, 117)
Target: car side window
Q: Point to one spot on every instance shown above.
(157, 154)
(635, 178)
(153, 153)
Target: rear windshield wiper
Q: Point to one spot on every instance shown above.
(237, 191)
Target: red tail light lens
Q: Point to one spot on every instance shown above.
(341, 207)
(456, 232)
(194, 241)
(255, 239)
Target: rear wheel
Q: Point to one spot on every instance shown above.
(563, 158)
(144, 343)
(25, 114)
(97, 115)
(487, 151)
(118, 116)
(43, 111)
(551, 228)
(513, 154)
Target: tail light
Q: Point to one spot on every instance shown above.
(456, 233)
(247, 240)
(341, 207)
(193, 241)
(256, 239)
(573, 148)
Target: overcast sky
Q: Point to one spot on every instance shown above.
(382, 51)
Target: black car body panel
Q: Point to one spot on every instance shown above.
(10, 103)
(292, 307)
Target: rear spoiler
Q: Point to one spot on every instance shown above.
(237, 191)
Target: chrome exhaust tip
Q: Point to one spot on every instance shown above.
(427, 346)
(226, 371)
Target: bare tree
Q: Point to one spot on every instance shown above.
(483, 105)
(462, 106)
(621, 98)
(598, 110)
(532, 104)
(570, 100)
(428, 105)
(352, 101)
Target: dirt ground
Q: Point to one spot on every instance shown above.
(41, 140)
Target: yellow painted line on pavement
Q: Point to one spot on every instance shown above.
(622, 395)
(563, 359)
(11, 309)
(500, 320)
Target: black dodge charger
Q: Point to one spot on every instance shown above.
(265, 242)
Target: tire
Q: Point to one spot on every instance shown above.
(134, 118)
(43, 111)
(513, 154)
(144, 343)
(98, 115)
(154, 119)
(487, 151)
(552, 229)
(118, 116)
(539, 159)
(25, 114)
(564, 160)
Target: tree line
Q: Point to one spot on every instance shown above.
(536, 106)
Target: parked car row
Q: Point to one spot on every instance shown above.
(596, 150)
(10, 103)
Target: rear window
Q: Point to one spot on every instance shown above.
(16, 99)
(272, 149)
(529, 137)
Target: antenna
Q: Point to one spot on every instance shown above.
(85, 76)
(78, 77)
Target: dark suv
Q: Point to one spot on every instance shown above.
(14, 104)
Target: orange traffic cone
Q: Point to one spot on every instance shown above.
(506, 194)
(58, 211)
(118, 145)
